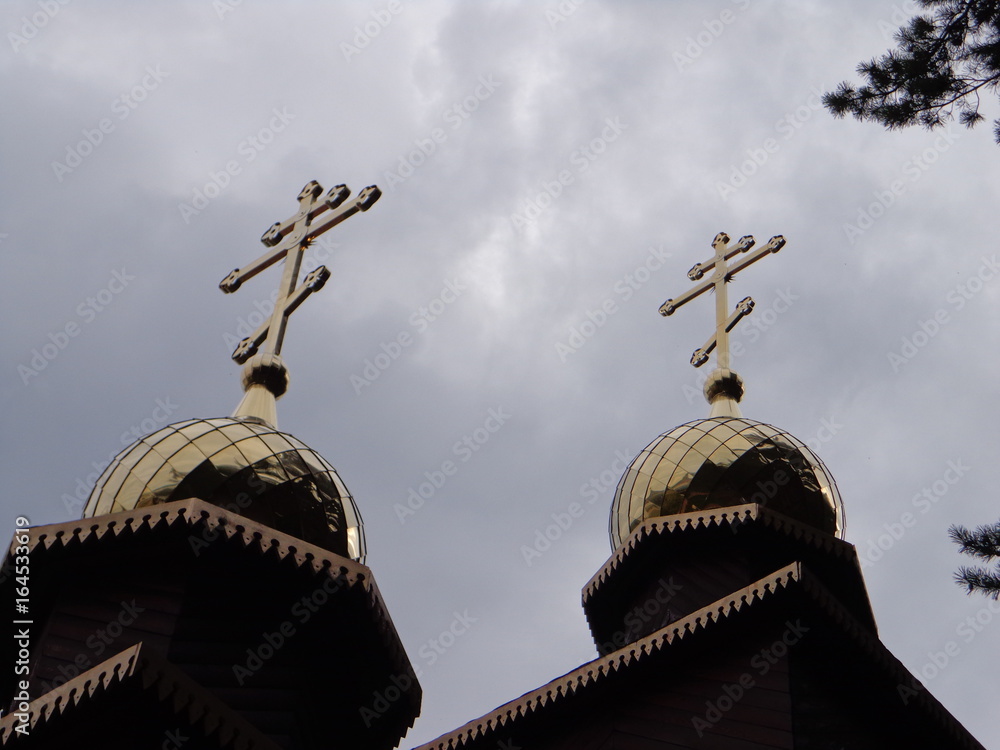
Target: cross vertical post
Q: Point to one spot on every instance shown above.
(289, 240)
(723, 273)
(265, 377)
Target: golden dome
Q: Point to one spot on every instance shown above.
(243, 465)
(721, 462)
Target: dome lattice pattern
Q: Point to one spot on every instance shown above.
(242, 465)
(721, 462)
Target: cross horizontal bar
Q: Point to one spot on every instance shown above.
(742, 245)
(334, 198)
(743, 308)
(671, 305)
(365, 200)
(235, 279)
(773, 246)
(313, 282)
(273, 237)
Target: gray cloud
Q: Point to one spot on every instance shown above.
(496, 153)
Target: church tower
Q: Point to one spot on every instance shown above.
(731, 615)
(214, 595)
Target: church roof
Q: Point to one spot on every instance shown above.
(160, 697)
(691, 631)
(192, 512)
(768, 537)
(350, 645)
(209, 524)
(732, 518)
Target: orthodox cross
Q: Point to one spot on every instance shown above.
(289, 239)
(724, 321)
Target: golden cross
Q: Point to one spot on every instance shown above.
(724, 321)
(289, 240)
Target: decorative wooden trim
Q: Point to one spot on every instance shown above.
(754, 595)
(717, 518)
(156, 678)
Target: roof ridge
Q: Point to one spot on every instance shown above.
(603, 666)
(873, 646)
(192, 511)
(716, 517)
(597, 669)
(201, 708)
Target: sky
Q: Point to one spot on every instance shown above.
(550, 171)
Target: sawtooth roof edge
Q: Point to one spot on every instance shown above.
(191, 512)
(599, 669)
(173, 688)
(729, 516)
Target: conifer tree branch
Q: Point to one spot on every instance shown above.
(943, 60)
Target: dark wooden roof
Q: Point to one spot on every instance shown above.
(154, 682)
(706, 554)
(345, 646)
(731, 518)
(192, 512)
(696, 632)
(221, 525)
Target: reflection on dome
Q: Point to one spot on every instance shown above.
(721, 462)
(242, 465)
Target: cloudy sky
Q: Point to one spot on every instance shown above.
(550, 173)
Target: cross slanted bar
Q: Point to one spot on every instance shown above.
(288, 240)
(723, 273)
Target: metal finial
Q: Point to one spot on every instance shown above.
(265, 377)
(727, 388)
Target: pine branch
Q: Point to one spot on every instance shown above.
(943, 59)
(983, 543)
(979, 580)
